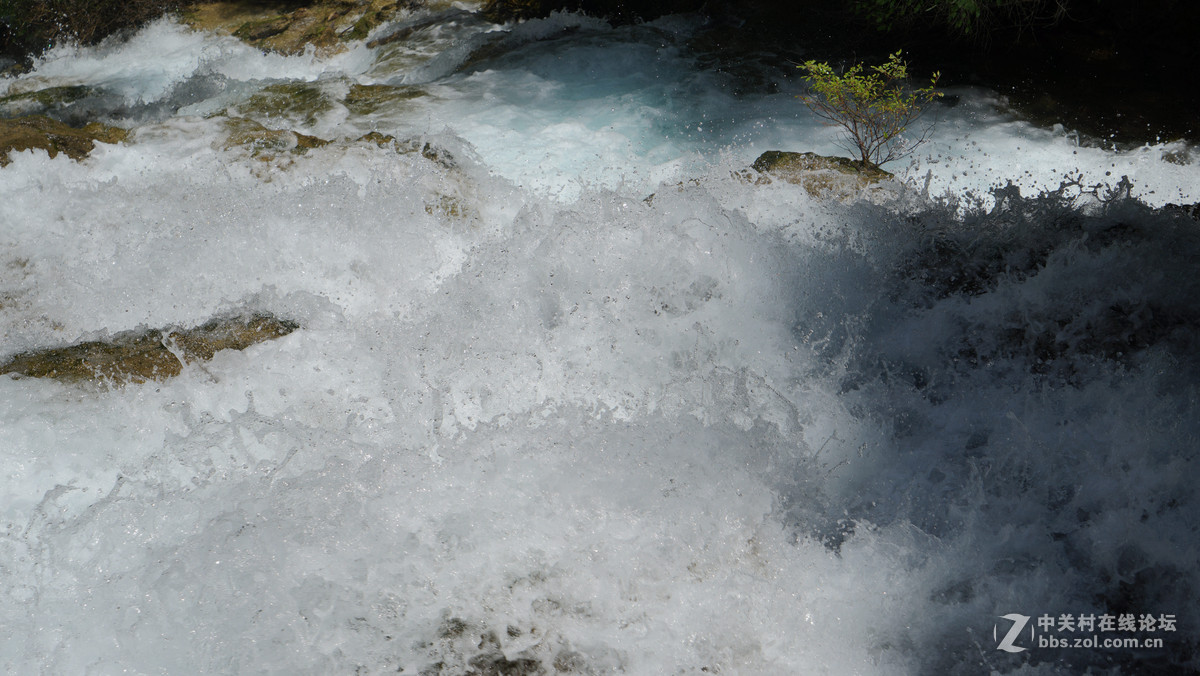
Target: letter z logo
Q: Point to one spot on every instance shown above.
(1019, 622)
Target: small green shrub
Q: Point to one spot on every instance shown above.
(873, 107)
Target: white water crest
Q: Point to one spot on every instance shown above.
(538, 421)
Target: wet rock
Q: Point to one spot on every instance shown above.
(821, 176)
(493, 662)
(378, 138)
(366, 99)
(404, 31)
(290, 29)
(278, 148)
(790, 165)
(257, 31)
(37, 131)
(1182, 157)
(496, 664)
(138, 356)
(39, 101)
(300, 103)
(454, 204)
(265, 143)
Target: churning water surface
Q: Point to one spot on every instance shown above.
(536, 419)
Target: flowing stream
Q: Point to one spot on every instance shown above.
(571, 394)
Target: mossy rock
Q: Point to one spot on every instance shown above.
(821, 176)
(366, 99)
(413, 25)
(376, 14)
(378, 138)
(266, 143)
(38, 131)
(299, 102)
(447, 206)
(226, 16)
(139, 356)
(293, 32)
(287, 28)
(783, 163)
(261, 29)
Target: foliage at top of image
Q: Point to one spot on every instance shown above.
(963, 17)
(873, 107)
(617, 11)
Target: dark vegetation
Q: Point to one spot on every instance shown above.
(964, 17)
(617, 11)
(1121, 73)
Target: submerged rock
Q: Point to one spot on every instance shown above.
(1182, 157)
(265, 143)
(403, 32)
(39, 101)
(821, 176)
(288, 29)
(138, 356)
(439, 156)
(301, 102)
(38, 131)
(364, 99)
(277, 149)
(453, 205)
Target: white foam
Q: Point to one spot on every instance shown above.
(718, 429)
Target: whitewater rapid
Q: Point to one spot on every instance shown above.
(568, 395)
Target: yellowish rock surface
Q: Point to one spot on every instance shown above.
(38, 131)
(139, 356)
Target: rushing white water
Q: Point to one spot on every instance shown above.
(535, 422)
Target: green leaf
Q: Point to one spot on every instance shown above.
(873, 107)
